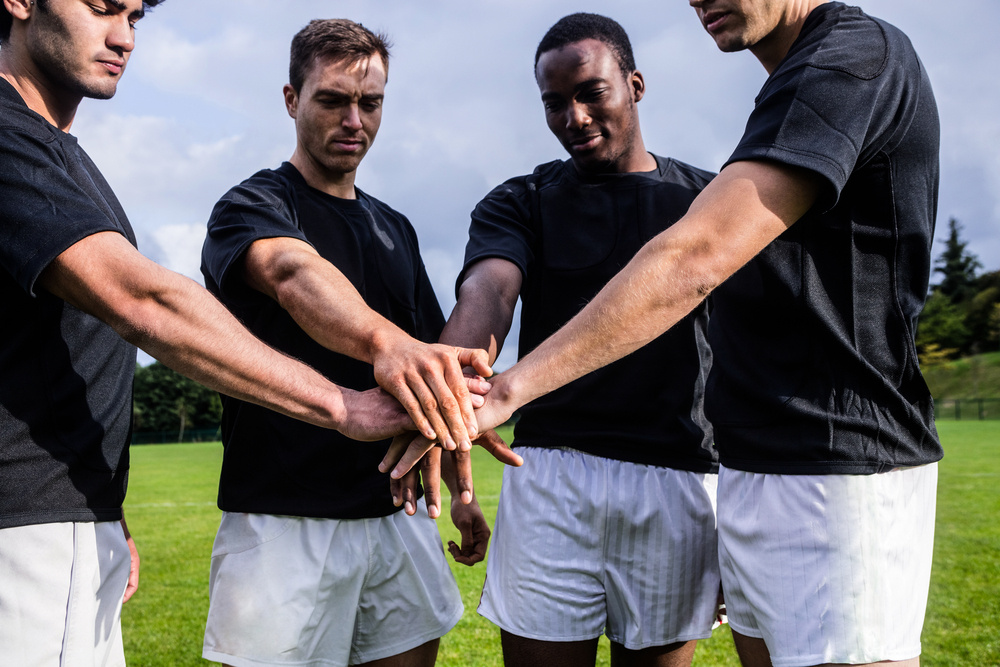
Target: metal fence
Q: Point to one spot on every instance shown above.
(954, 409)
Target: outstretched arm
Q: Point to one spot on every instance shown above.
(426, 379)
(748, 205)
(178, 322)
(736, 216)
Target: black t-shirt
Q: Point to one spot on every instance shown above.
(816, 369)
(66, 394)
(274, 464)
(569, 235)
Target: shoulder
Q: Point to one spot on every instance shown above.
(682, 173)
(518, 187)
(267, 187)
(844, 39)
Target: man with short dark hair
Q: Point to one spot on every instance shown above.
(592, 555)
(77, 299)
(814, 241)
(313, 562)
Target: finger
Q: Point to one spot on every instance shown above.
(396, 450)
(414, 452)
(408, 491)
(495, 445)
(478, 359)
(430, 473)
(411, 403)
(436, 400)
(455, 403)
(463, 476)
(477, 386)
(396, 489)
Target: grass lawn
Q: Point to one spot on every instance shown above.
(172, 514)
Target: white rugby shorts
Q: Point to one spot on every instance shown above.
(300, 591)
(828, 568)
(585, 544)
(61, 590)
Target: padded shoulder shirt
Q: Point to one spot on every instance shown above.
(66, 394)
(816, 369)
(274, 464)
(569, 234)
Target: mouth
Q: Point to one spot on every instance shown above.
(348, 145)
(714, 20)
(584, 143)
(114, 66)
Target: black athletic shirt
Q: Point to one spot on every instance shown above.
(816, 369)
(275, 464)
(569, 235)
(66, 393)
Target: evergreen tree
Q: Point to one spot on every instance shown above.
(957, 265)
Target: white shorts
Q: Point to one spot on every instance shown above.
(299, 591)
(828, 568)
(584, 545)
(61, 590)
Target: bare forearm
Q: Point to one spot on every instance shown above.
(187, 329)
(485, 309)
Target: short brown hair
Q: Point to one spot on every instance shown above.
(339, 39)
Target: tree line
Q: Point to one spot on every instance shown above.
(166, 401)
(962, 313)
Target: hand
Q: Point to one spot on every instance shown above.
(406, 450)
(469, 519)
(427, 380)
(373, 415)
(404, 489)
(133, 571)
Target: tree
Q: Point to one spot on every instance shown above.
(957, 265)
(164, 400)
(942, 325)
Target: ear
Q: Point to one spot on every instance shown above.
(638, 85)
(19, 9)
(291, 99)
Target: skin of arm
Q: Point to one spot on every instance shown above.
(178, 322)
(133, 570)
(427, 379)
(482, 319)
(748, 205)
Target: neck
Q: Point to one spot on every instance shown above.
(56, 106)
(336, 184)
(773, 48)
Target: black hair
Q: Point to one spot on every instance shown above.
(580, 26)
(7, 21)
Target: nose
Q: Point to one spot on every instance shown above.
(352, 119)
(121, 36)
(577, 116)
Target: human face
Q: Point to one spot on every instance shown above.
(590, 106)
(80, 47)
(337, 115)
(739, 24)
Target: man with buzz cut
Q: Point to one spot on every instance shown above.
(77, 299)
(313, 563)
(610, 526)
(814, 241)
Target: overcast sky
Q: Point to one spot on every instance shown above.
(200, 108)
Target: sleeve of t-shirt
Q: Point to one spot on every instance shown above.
(501, 227)
(43, 210)
(824, 119)
(255, 209)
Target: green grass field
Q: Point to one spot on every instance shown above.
(172, 514)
